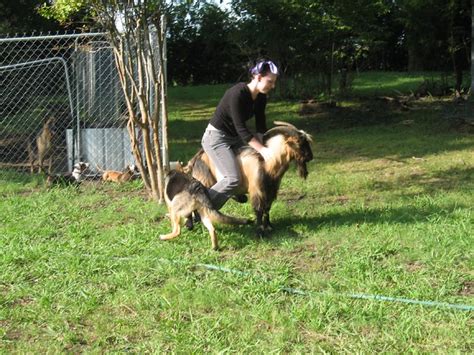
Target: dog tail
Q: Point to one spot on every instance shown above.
(99, 169)
(206, 205)
(219, 217)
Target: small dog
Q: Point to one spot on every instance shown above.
(183, 195)
(119, 176)
(72, 178)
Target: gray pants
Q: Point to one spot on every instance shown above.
(220, 148)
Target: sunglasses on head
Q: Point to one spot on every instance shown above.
(258, 69)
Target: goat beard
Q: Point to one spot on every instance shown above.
(302, 169)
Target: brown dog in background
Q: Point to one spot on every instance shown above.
(119, 176)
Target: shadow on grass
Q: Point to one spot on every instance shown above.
(369, 129)
(457, 178)
(283, 228)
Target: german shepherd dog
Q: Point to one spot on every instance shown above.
(183, 195)
(44, 147)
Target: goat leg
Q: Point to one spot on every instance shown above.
(260, 226)
(267, 226)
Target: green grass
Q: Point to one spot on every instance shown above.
(386, 210)
(394, 83)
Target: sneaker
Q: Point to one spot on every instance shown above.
(240, 198)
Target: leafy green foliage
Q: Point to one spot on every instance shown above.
(63, 10)
(22, 17)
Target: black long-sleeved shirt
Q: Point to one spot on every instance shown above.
(235, 108)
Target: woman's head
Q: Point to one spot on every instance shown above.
(264, 75)
(264, 67)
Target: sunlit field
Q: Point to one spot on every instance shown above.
(386, 211)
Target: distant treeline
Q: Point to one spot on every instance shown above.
(315, 40)
(316, 43)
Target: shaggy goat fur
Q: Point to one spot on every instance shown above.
(261, 179)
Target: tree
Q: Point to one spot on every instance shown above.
(132, 26)
(458, 41)
(472, 50)
(200, 44)
(310, 39)
(21, 16)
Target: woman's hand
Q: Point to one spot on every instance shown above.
(266, 153)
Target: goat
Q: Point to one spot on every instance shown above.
(261, 179)
(43, 147)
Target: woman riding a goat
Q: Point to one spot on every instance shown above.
(235, 162)
(227, 130)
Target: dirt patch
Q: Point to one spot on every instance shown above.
(467, 288)
(22, 302)
(414, 266)
(338, 200)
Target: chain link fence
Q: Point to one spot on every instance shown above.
(60, 103)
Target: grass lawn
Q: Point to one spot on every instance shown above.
(386, 210)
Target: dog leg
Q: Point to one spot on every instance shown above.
(212, 231)
(175, 219)
(40, 165)
(50, 165)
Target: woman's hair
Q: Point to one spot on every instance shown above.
(263, 67)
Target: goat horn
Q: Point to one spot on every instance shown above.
(279, 130)
(281, 123)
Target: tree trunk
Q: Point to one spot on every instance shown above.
(143, 83)
(415, 62)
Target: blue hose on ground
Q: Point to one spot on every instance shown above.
(463, 307)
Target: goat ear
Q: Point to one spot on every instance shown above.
(292, 141)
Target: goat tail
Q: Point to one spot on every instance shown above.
(188, 169)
